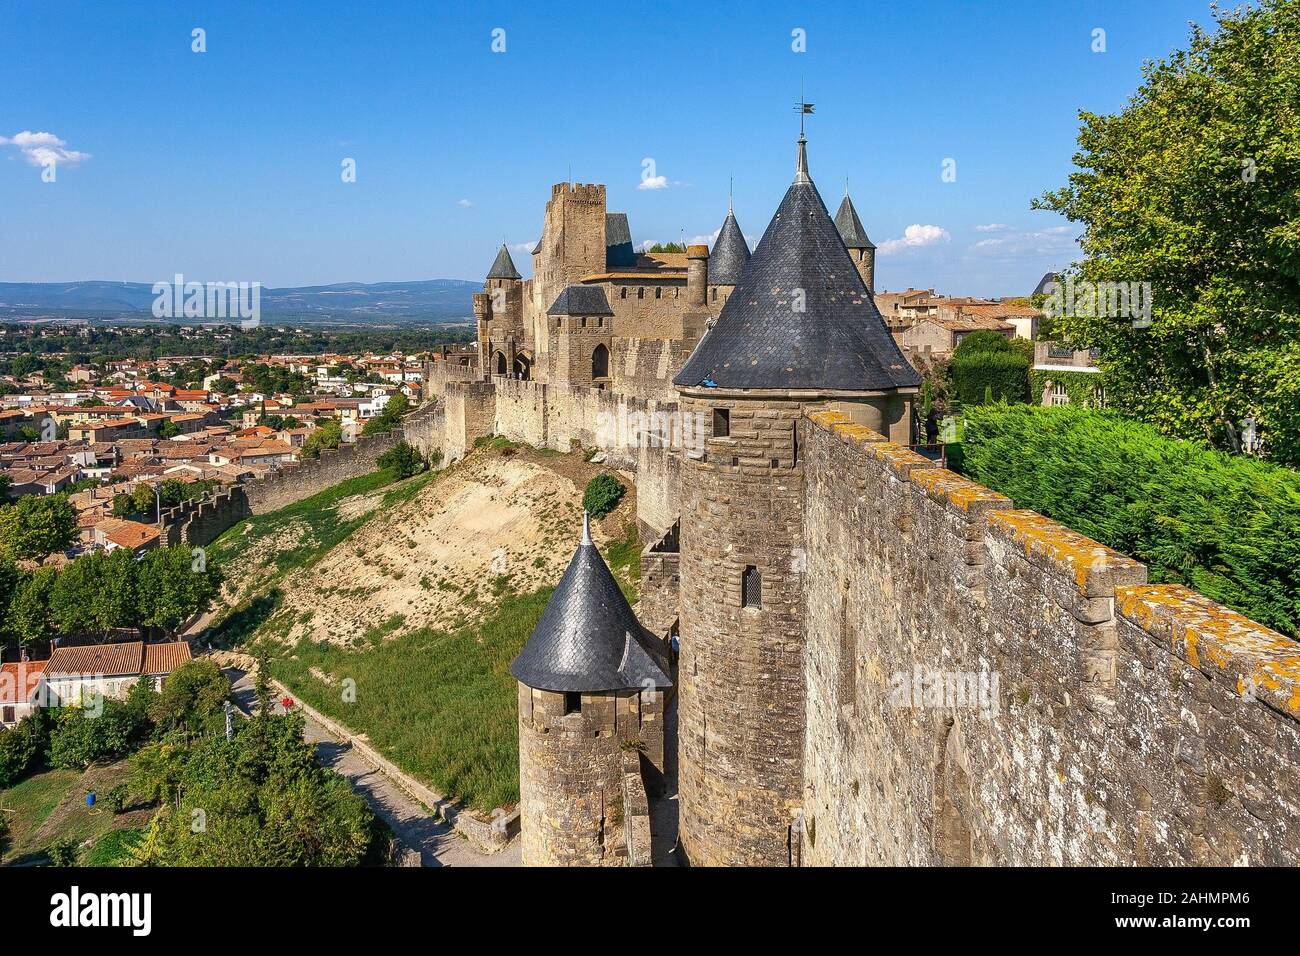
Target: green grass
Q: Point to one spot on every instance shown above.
(318, 517)
(32, 801)
(114, 847)
(440, 705)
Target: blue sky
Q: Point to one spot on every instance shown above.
(225, 165)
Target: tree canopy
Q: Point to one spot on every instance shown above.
(1195, 188)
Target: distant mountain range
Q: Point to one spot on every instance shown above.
(438, 300)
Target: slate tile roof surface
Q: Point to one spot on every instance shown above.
(763, 339)
(588, 639)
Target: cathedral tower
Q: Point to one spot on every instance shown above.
(800, 329)
(591, 682)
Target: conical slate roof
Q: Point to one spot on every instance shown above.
(763, 339)
(730, 253)
(588, 639)
(850, 226)
(1045, 285)
(504, 267)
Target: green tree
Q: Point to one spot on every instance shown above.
(171, 587)
(266, 802)
(192, 699)
(1195, 188)
(144, 500)
(328, 433)
(10, 579)
(74, 595)
(602, 496)
(404, 460)
(30, 608)
(36, 526)
(389, 417)
(117, 603)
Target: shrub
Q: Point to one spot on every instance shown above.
(602, 496)
(1001, 376)
(1227, 526)
(404, 460)
(116, 798)
(80, 738)
(63, 853)
(23, 747)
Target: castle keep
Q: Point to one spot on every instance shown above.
(879, 661)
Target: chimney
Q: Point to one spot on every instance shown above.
(697, 275)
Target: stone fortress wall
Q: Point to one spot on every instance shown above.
(202, 521)
(1129, 723)
(1135, 723)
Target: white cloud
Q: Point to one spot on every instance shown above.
(1053, 242)
(464, 203)
(915, 236)
(993, 227)
(653, 182)
(524, 246)
(708, 240)
(41, 149)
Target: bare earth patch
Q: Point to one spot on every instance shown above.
(492, 524)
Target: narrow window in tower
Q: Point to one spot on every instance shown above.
(572, 702)
(640, 292)
(658, 291)
(751, 588)
(622, 293)
(715, 293)
(721, 422)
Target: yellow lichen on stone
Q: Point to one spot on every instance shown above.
(1198, 628)
(948, 486)
(1081, 556)
(827, 418)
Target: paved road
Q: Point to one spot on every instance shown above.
(437, 843)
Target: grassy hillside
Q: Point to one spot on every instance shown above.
(437, 700)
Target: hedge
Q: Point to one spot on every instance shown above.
(1003, 375)
(1081, 387)
(1226, 526)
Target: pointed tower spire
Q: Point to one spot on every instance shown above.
(801, 164)
(504, 266)
(730, 252)
(588, 639)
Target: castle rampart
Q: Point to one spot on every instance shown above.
(1116, 722)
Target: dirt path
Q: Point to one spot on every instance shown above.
(437, 843)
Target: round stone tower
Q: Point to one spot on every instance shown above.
(799, 330)
(591, 682)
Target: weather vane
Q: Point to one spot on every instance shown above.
(804, 108)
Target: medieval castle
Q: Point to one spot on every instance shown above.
(843, 653)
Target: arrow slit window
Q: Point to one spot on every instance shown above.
(751, 587)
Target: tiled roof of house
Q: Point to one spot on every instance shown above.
(19, 680)
(107, 659)
(117, 660)
(165, 658)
